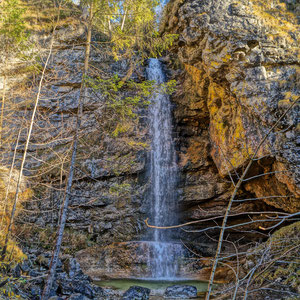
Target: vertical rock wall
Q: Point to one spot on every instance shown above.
(237, 67)
(240, 64)
(106, 200)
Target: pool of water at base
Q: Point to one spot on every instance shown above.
(157, 287)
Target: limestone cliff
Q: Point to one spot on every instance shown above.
(236, 64)
(237, 68)
(241, 72)
(107, 191)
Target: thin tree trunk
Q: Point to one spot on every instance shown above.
(2, 108)
(109, 28)
(238, 185)
(65, 205)
(26, 148)
(9, 178)
(124, 18)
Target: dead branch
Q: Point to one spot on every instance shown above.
(238, 185)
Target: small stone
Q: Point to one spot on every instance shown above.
(181, 292)
(250, 264)
(136, 293)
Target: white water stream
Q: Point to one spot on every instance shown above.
(163, 178)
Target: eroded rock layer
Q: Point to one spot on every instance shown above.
(241, 73)
(237, 68)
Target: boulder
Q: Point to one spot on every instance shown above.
(136, 293)
(180, 292)
(79, 285)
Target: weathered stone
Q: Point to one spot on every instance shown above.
(74, 268)
(237, 71)
(79, 284)
(180, 292)
(25, 267)
(17, 271)
(110, 186)
(136, 293)
(239, 63)
(130, 260)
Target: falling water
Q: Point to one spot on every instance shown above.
(163, 179)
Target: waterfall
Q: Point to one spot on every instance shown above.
(163, 177)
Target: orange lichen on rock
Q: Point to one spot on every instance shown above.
(227, 130)
(194, 151)
(198, 77)
(194, 72)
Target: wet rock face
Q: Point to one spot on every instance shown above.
(131, 260)
(240, 75)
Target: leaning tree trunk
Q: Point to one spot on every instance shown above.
(65, 205)
(5, 201)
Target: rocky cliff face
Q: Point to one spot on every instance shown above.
(237, 67)
(240, 73)
(106, 197)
